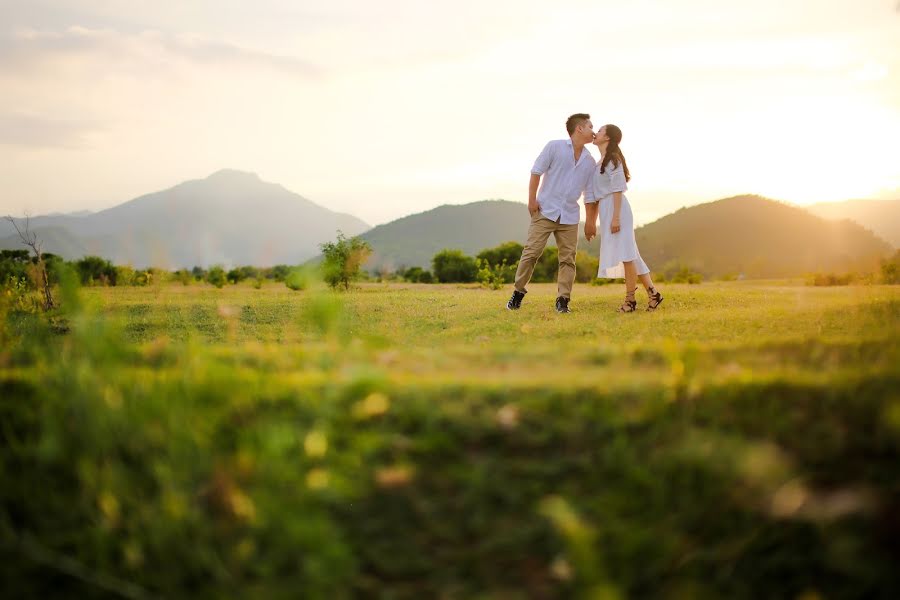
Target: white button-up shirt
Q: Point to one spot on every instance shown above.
(564, 181)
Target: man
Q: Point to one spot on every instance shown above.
(567, 169)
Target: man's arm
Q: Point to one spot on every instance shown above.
(591, 210)
(533, 184)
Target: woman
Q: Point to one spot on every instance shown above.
(619, 256)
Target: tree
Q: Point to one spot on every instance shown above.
(510, 252)
(279, 272)
(343, 260)
(30, 239)
(547, 267)
(417, 275)
(184, 276)
(890, 269)
(198, 273)
(453, 266)
(95, 270)
(586, 267)
(216, 276)
(234, 276)
(13, 263)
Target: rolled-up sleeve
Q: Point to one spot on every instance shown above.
(617, 181)
(542, 163)
(590, 192)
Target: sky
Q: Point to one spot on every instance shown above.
(382, 109)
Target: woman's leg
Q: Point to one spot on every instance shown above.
(654, 296)
(630, 277)
(630, 286)
(648, 283)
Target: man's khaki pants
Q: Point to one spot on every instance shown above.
(566, 239)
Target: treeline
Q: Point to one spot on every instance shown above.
(18, 267)
(500, 262)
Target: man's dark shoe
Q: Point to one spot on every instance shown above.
(562, 305)
(516, 301)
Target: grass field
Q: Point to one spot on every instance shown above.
(421, 441)
(464, 333)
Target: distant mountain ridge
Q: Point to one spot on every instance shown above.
(234, 218)
(881, 216)
(758, 237)
(748, 235)
(230, 217)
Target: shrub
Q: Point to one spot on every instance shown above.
(829, 279)
(677, 272)
(199, 273)
(279, 272)
(586, 267)
(184, 276)
(417, 275)
(453, 266)
(94, 270)
(216, 276)
(14, 263)
(890, 269)
(506, 254)
(492, 277)
(547, 266)
(343, 260)
(299, 278)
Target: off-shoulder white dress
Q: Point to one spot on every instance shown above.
(615, 248)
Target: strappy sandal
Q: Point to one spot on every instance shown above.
(655, 300)
(627, 306)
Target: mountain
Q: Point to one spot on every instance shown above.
(881, 216)
(744, 234)
(231, 217)
(413, 240)
(759, 238)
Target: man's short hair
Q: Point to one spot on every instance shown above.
(576, 120)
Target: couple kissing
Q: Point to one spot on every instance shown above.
(565, 171)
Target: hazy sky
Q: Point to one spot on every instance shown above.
(385, 108)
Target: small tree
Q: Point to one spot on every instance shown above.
(94, 270)
(510, 252)
(184, 276)
(199, 273)
(492, 277)
(453, 266)
(343, 260)
(30, 239)
(417, 275)
(506, 254)
(586, 267)
(216, 276)
(890, 269)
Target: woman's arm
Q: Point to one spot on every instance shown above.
(617, 209)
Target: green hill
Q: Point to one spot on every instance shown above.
(748, 235)
(413, 240)
(758, 237)
(881, 216)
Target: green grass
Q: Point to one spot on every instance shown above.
(464, 332)
(419, 441)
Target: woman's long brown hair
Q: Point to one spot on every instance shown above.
(613, 152)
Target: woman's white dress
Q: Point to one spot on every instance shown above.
(615, 248)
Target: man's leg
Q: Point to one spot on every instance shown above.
(538, 233)
(567, 242)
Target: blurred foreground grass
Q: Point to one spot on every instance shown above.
(406, 441)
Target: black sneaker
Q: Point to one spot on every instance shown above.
(562, 305)
(516, 301)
